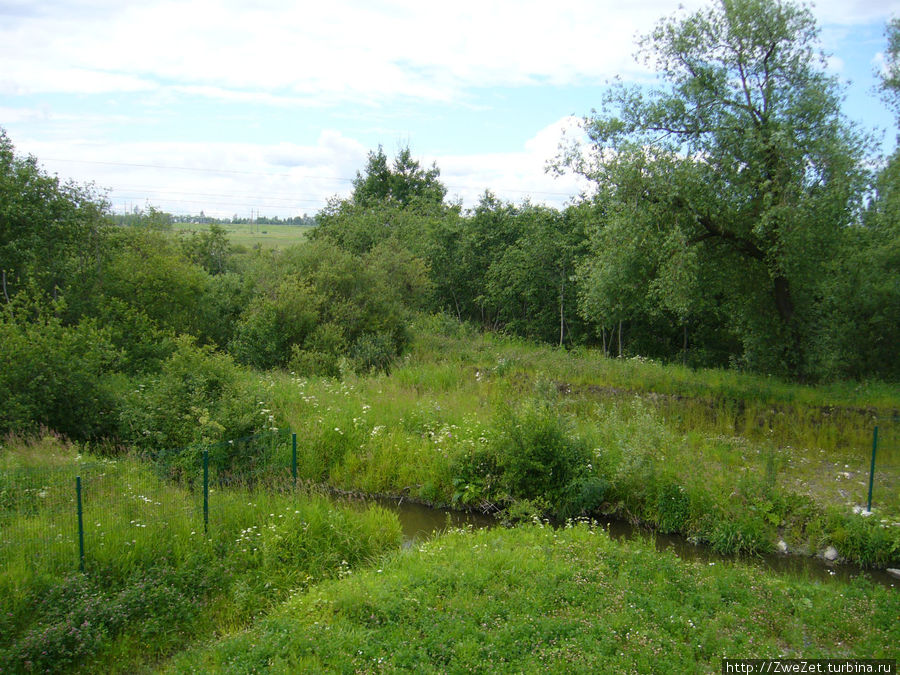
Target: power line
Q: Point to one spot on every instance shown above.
(197, 170)
(254, 205)
(267, 195)
(138, 194)
(288, 175)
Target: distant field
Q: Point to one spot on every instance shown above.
(265, 236)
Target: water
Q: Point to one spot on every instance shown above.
(420, 522)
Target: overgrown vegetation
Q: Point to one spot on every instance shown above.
(534, 599)
(743, 269)
(740, 475)
(155, 581)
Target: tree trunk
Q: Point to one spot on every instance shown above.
(620, 338)
(603, 333)
(783, 301)
(684, 347)
(562, 288)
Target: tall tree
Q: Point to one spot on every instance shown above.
(739, 161)
(50, 232)
(405, 183)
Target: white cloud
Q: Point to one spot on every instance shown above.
(514, 176)
(854, 12)
(219, 178)
(337, 51)
(284, 178)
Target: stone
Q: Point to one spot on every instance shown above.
(782, 546)
(893, 572)
(831, 554)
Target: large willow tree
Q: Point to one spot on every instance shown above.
(726, 184)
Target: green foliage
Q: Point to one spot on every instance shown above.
(198, 396)
(406, 183)
(146, 270)
(890, 75)
(868, 539)
(50, 233)
(143, 345)
(151, 590)
(77, 617)
(316, 301)
(274, 322)
(207, 249)
(372, 353)
(53, 375)
(729, 185)
(536, 599)
(531, 456)
(317, 539)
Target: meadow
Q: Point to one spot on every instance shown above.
(249, 236)
(536, 599)
(743, 463)
(154, 581)
(289, 579)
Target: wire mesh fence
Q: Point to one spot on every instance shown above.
(884, 468)
(62, 518)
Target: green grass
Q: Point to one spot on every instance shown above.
(534, 599)
(779, 462)
(246, 236)
(155, 581)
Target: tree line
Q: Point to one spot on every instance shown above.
(735, 221)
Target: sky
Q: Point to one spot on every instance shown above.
(271, 107)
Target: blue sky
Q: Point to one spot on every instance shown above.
(272, 106)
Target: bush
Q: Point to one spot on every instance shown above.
(533, 458)
(199, 396)
(372, 353)
(274, 322)
(864, 539)
(53, 375)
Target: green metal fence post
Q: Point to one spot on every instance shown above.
(80, 524)
(872, 468)
(294, 458)
(205, 491)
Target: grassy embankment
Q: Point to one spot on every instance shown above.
(154, 582)
(731, 460)
(534, 599)
(737, 461)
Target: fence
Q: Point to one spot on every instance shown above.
(884, 467)
(58, 519)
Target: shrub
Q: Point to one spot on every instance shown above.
(199, 396)
(274, 322)
(864, 539)
(535, 459)
(54, 375)
(372, 352)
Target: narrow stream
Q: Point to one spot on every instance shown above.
(421, 522)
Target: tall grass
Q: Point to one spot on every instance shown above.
(154, 579)
(740, 461)
(535, 599)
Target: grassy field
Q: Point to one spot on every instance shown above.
(288, 582)
(537, 600)
(154, 581)
(247, 236)
(743, 463)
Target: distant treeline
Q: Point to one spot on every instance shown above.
(735, 221)
(163, 219)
